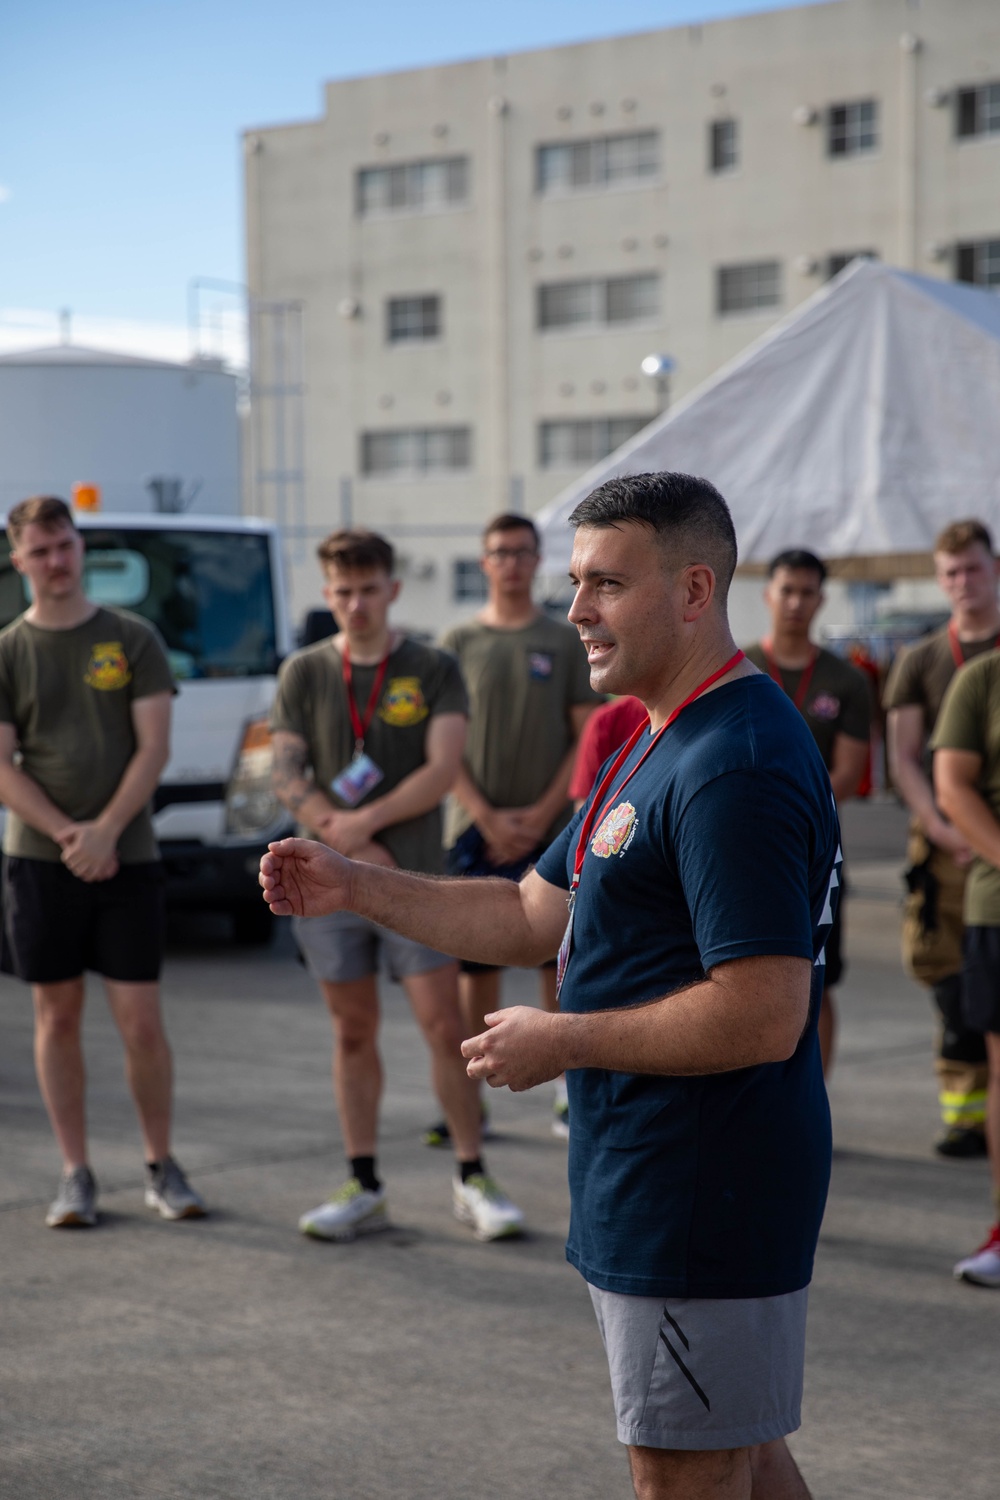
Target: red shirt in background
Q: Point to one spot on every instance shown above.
(605, 731)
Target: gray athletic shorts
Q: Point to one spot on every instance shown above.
(342, 947)
(698, 1374)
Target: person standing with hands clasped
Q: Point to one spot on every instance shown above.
(834, 699)
(701, 882)
(368, 730)
(84, 735)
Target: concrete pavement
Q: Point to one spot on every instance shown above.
(235, 1358)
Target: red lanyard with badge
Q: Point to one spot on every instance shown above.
(777, 674)
(958, 654)
(359, 778)
(597, 813)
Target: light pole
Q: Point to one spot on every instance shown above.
(659, 367)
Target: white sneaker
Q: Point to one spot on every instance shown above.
(352, 1210)
(479, 1202)
(983, 1268)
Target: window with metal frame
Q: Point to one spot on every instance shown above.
(573, 444)
(838, 259)
(602, 161)
(468, 581)
(977, 110)
(413, 186)
(978, 262)
(723, 145)
(748, 287)
(411, 319)
(598, 301)
(852, 128)
(416, 450)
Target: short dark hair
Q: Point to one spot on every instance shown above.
(509, 520)
(352, 547)
(688, 513)
(962, 534)
(47, 511)
(799, 561)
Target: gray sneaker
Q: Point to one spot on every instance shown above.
(168, 1190)
(76, 1203)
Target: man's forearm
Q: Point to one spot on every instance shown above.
(975, 820)
(482, 920)
(135, 789)
(416, 794)
(467, 794)
(918, 794)
(25, 798)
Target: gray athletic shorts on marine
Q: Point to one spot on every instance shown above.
(342, 947)
(702, 1374)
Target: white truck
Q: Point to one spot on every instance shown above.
(213, 587)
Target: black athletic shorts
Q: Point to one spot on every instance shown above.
(468, 857)
(55, 926)
(981, 979)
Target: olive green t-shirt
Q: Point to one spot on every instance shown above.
(837, 700)
(69, 695)
(522, 685)
(420, 682)
(970, 720)
(920, 675)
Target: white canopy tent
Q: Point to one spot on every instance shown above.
(858, 426)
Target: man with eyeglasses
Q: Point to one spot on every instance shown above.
(529, 691)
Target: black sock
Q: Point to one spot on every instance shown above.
(363, 1168)
(471, 1168)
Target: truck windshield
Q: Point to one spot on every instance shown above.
(209, 593)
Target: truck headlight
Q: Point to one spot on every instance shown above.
(251, 806)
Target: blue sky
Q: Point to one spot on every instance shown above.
(120, 122)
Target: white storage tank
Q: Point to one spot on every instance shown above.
(148, 434)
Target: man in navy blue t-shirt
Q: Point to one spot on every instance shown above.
(702, 880)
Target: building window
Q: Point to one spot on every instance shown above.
(744, 288)
(468, 581)
(575, 445)
(836, 262)
(413, 186)
(412, 318)
(852, 128)
(599, 301)
(978, 262)
(723, 145)
(416, 450)
(977, 111)
(600, 162)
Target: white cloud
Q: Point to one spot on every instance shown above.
(30, 328)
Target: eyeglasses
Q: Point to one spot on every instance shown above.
(511, 554)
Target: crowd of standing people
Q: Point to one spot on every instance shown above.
(670, 862)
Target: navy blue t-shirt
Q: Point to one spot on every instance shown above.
(725, 844)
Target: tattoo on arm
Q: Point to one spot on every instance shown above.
(290, 775)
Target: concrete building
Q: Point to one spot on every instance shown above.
(149, 434)
(457, 272)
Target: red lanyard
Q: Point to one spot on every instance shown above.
(359, 725)
(956, 645)
(593, 817)
(778, 676)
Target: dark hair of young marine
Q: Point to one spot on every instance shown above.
(690, 518)
(509, 520)
(47, 511)
(353, 548)
(798, 560)
(961, 535)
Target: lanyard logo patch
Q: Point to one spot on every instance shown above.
(615, 831)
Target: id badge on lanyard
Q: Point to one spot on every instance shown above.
(603, 802)
(362, 775)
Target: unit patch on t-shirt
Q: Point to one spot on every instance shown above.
(616, 831)
(108, 668)
(403, 702)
